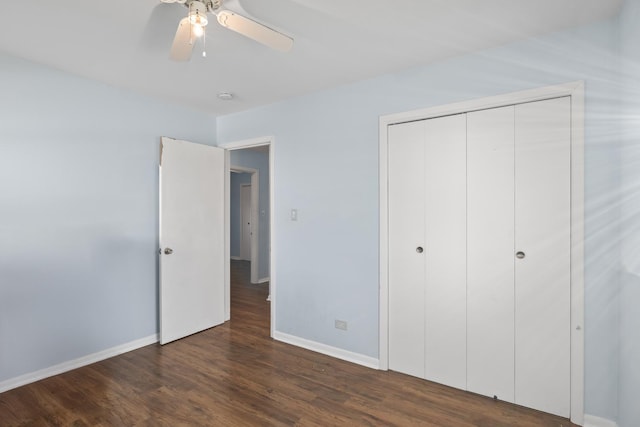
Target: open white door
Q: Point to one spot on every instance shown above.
(192, 187)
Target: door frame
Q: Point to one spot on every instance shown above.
(255, 226)
(238, 145)
(576, 91)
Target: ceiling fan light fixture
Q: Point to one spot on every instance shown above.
(198, 14)
(198, 30)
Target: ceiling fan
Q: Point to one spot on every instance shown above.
(193, 26)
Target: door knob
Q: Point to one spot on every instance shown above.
(168, 251)
(519, 255)
(419, 249)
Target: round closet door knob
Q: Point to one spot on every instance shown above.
(419, 249)
(519, 255)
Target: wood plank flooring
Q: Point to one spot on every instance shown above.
(235, 375)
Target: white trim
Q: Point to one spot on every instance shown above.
(76, 363)
(593, 421)
(577, 254)
(227, 236)
(576, 91)
(328, 350)
(263, 280)
(255, 225)
(241, 169)
(502, 100)
(272, 232)
(383, 203)
(247, 143)
(235, 258)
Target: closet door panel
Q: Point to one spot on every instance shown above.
(542, 280)
(406, 233)
(490, 242)
(445, 250)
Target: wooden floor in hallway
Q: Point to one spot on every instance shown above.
(236, 375)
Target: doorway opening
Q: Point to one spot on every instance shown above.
(249, 227)
(245, 213)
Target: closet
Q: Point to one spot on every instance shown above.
(479, 217)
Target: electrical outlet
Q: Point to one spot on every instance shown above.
(341, 324)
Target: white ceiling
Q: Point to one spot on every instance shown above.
(336, 42)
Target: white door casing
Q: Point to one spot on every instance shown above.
(254, 142)
(192, 258)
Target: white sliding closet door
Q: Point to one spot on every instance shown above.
(490, 221)
(406, 233)
(445, 250)
(479, 252)
(427, 241)
(542, 279)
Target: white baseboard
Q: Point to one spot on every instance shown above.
(593, 421)
(76, 363)
(236, 258)
(338, 353)
(264, 280)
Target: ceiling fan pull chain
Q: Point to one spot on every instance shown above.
(204, 44)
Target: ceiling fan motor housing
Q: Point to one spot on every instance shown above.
(197, 8)
(201, 5)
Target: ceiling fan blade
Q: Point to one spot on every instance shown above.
(182, 42)
(254, 30)
(158, 31)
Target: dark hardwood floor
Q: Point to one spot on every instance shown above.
(235, 375)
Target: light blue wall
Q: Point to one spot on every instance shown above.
(235, 223)
(260, 161)
(327, 168)
(629, 409)
(78, 213)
